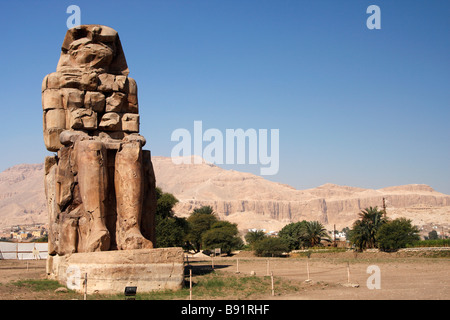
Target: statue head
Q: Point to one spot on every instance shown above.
(92, 47)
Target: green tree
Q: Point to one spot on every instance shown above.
(358, 235)
(396, 234)
(314, 232)
(363, 233)
(170, 230)
(293, 234)
(252, 236)
(165, 204)
(223, 235)
(270, 247)
(204, 210)
(200, 221)
(433, 235)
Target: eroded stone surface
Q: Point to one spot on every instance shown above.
(100, 186)
(111, 271)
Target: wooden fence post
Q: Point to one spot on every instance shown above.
(190, 284)
(271, 276)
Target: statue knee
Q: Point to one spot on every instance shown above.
(90, 149)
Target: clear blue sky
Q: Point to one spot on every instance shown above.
(358, 107)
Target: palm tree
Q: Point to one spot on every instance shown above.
(359, 235)
(364, 231)
(314, 231)
(254, 236)
(204, 210)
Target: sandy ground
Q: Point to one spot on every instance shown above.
(401, 278)
(398, 280)
(14, 270)
(335, 276)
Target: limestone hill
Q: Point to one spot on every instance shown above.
(243, 198)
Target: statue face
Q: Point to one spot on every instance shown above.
(92, 47)
(85, 53)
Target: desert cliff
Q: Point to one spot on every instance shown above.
(243, 198)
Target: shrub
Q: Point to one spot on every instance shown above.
(270, 247)
(223, 235)
(430, 243)
(303, 234)
(396, 234)
(254, 236)
(293, 233)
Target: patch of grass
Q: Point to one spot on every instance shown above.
(212, 283)
(429, 254)
(217, 285)
(165, 295)
(222, 285)
(430, 243)
(38, 285)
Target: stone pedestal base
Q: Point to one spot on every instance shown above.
(109, 272)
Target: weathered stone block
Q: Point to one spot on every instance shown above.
(52, 99)
(119, 83)
(70, 80)
(116, 102)
(131, 108)
(95, 100)
(130, 122)
(83, 119)
(110, 122)
(55, 118)
(132, 104)
(51, 139)
(72, 98)
(53, 80)
(109, 272)
(131, 87)
(106, 82)
(89, 81)
(132, 98)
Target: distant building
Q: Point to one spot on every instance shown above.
(341, 236)
(37, 233)
(255, 229)
(268, 233)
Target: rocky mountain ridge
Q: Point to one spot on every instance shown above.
(243, 198)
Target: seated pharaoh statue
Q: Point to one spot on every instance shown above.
(100, 186)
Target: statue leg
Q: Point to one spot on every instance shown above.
(92, 181)
(129, 185)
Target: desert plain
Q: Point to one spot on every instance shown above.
(333, 276)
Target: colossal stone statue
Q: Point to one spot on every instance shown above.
(100, 186)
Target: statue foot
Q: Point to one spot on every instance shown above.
(133, 239)
(98, 241)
